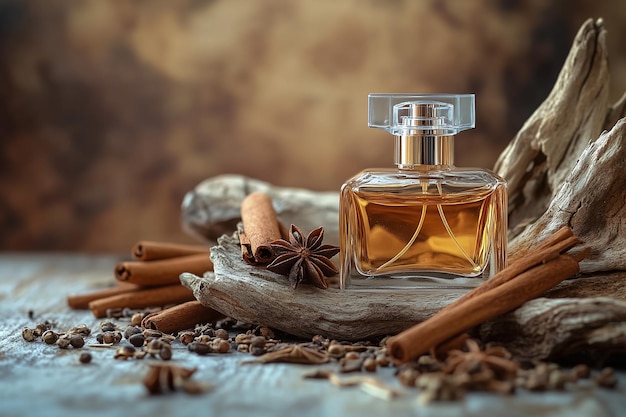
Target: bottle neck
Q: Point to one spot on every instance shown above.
(423, 150)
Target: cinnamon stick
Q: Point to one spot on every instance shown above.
(559, 242)
(260, 226)
(81, 301)
(450, 322)
(163, 271)
(152, 297)
(180, 317)
(148, 250)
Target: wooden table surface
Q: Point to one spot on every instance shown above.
(41, 380)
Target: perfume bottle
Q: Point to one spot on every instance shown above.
(427, 223)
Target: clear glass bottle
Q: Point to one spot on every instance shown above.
(427, 223)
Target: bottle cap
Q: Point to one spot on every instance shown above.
(422, 114)
(424, 125)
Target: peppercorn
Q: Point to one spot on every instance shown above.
(152, 334)
(112, 337)
(131, 330)
(335, 350)
(81, 329)
(203, 338)
(77, 341)
(370, 365)
(243, 338)
(221, 334)
(266, 332)
(28, 334)
(107, 326)
(84, 357)
(136, 319)
(382, 359)
(63, 342)
(165, 352)
(124, 352)
(186, 337)
(220, 345)
(137, 340)
(40, 328)
(199, 348)
(49, 337)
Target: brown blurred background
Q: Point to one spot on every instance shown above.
(111, 110)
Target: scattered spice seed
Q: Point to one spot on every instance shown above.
(81, 329)
(335, 350)
(351, 364)
(137, 340)
(220, 346)
(266, 332)
(152, 334)
(63, 342)
(84, 357)
(135, 319)
(382, 360)
(125, 352)
(107, 326)
(165, 353)
(130, 331)
(77, 341)
(199, 348)
(28, 334)
(186, 337)
(49, 337)
(222, 334)
(370, 365)
(112, 337)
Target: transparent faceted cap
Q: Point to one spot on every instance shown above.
(414, 114)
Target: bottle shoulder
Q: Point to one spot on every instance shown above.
(390, 178)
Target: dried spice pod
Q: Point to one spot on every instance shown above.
(304, 259)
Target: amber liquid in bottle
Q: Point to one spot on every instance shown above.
(426, 229)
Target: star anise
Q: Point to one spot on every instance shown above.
(495, 360)
(304, 258)
(294, 354)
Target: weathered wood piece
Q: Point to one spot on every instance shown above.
(213, 208)
(592, 201)
(255, 295)
(552, 328)
(543, 153)
(542, 328)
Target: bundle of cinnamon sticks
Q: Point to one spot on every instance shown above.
(152, 280)
(525, 279)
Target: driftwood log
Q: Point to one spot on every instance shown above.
(561, 169)
(213, 208)
(542, 328)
